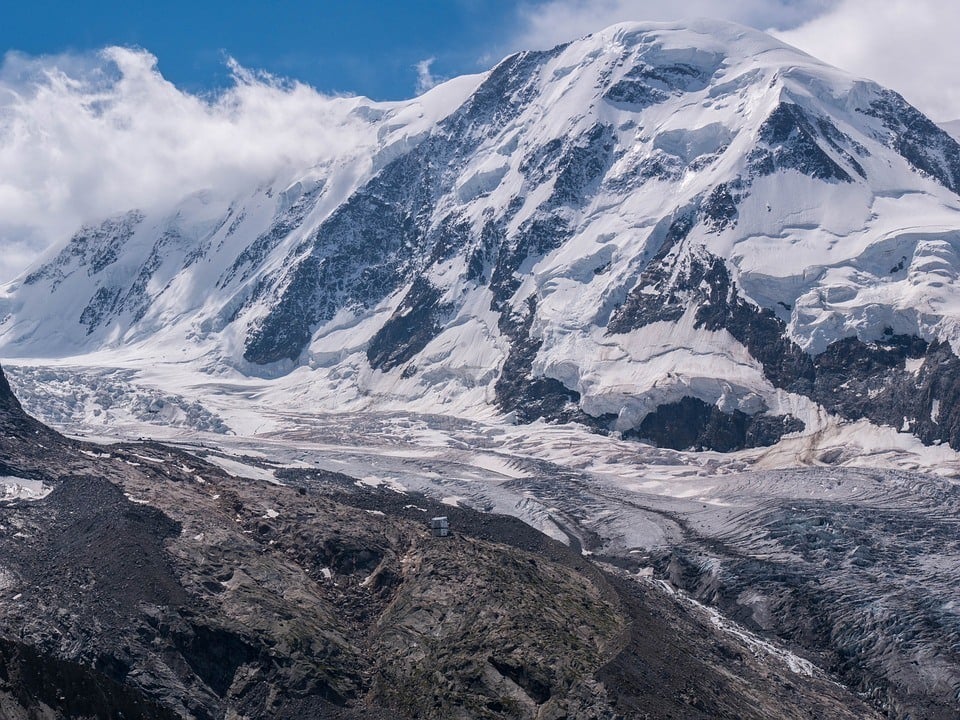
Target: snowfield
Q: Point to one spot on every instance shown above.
(16, 488)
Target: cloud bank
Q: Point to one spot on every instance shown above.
(85, 137)
(544, 24)
(908, 45)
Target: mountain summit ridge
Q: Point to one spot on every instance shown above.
(656, 224)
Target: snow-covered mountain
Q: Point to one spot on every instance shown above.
(691, 234)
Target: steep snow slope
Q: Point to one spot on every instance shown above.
(952, 127)
(692, 234)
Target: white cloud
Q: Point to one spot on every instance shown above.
(425, 78)
(544, 24)
(83, 137)
(908, 45)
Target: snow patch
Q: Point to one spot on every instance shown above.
(382, 482)
(236, 468)
(913, 365)
(7, 580)
(17, 488)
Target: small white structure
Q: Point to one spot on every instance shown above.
(440, 526)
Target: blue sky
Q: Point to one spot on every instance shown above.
(373, 48)
(364, 47)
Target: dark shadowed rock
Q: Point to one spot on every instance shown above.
(416, 321)
(690, 423)
(922, 143)
(8, 401)
(790, 140)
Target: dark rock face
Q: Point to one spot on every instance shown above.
(646, 85)
(868, 379)
(416, 322)
(936, 396)
(789, 140)
(656, 298)
(101, 306)
(852, 378)
(8, 401)
(537, 164)
(635, 94)
(93, 248)
(926, 146)
(759, 330)
(678, 77)
(517, 389)
(690, 423)
(580, 169)
(719, 209)
(843, 145)
(15, 423)
(659, 166)
(483, 256)
(856, 379)
(286, 222)
(452, 235)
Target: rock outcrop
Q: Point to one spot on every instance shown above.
(149, 584)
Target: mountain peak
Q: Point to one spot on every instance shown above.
(700, 37)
